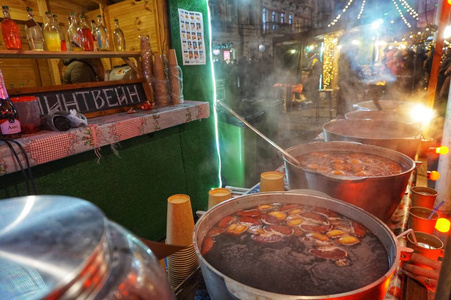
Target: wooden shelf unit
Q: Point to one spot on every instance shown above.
(25, 54)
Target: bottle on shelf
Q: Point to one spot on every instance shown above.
(61, 33)
(94, 32)
(34, 32)
(9, 123)
(102, 35)
(74, 36)
(87, 41)
(118, 37)
(10, 31)
(51, 34)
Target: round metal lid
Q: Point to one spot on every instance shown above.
(49, 245)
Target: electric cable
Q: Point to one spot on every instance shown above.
(19, 162)
(30, 175)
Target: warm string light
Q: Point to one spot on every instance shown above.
(340, 14)
(330, 44)
(362, 7)
(401, 14)
(409, 9)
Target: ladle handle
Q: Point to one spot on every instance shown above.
(288, 155)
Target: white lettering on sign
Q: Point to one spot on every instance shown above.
(91, 99)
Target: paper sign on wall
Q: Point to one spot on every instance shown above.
(192, 37)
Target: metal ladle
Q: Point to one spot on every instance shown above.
(288, 155)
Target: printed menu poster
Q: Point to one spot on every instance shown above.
(192, 37)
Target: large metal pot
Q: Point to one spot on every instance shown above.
(223, 287)
(401, 137)
(57, 247)
(379, 195)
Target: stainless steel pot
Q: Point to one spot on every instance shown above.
(57, 247)
(401, 137)
(379, 195)
(223, 287)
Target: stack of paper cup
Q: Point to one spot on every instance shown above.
(160, 83)
(175, 78)
(179, 231)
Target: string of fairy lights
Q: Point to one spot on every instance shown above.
(362, 7)
(402, 8)
(329, 72)
(401, 13)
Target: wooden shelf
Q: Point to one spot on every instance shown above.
(46, 146)
(67, 54)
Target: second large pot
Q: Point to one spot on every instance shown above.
(379, 195)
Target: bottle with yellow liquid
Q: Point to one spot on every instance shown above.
(51, 34)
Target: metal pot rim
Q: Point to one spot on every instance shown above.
(379, 281)
(418, 130)
(362, 147)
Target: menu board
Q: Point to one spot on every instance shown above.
(192, 37)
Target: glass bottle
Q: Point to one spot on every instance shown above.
(102, 35)
(34, 32)
(94, 31)
(51, 34)
(10, 31)
(74, 37)
(87, 41)
(9, 123)
(61, 33)
(118, 37)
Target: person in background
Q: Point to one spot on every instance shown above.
(315, 69)
(83, 70)
(427, 275)
(350, 75)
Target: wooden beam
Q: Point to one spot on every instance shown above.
(101, 2)
(162, 25)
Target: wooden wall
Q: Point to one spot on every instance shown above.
(135, 18)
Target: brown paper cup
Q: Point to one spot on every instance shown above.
(158, 68)
(271, 182)
(172, 58)
(418, 219)
(423, 196)
(216, 196)
(180, 221)
(428, 245)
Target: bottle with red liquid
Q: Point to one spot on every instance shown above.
(87, 42)
(10, 31)
(9, 123)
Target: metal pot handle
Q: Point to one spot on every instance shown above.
(406, 253)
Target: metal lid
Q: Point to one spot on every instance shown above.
(52, 246)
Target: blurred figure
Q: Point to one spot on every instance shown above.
(315, 69)
(83, 70)
(350, 75)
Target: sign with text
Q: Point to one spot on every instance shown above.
(87, 98)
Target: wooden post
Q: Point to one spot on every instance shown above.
(444, 18)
